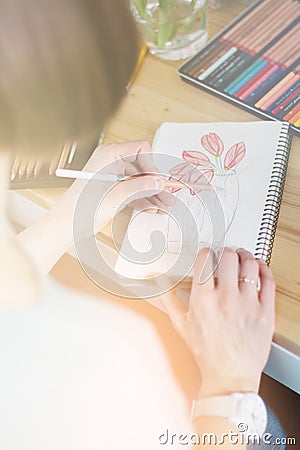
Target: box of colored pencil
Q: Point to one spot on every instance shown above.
(255, 62)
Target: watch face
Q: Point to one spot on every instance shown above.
(252, 413)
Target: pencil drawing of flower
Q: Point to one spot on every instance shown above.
(234, 155)
(213, 144)
(200, 177)
(198, 168)
(196, 158)
(181, 172)
(212, 162)
(188, 174)
(180, 169)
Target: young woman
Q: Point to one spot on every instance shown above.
(64, 69)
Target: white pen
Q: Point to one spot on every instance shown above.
(170, 183)
(79, 174)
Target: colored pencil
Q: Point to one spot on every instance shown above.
(276, 24)
(296, 117)
(256, 67)
(142, 54)
(205, 62)
(198, 60)
(286, 109)
(220, 82)
(209, 60)
(248, 20)
(223, 58)
(255, 82)
(265, 86)
(294, 56)
(282, 50)
(285, 98)
(289, 82)
(230, 88)
(263, 75)
(234, 61)
(290, 115)
(277, 90)
(256, 39)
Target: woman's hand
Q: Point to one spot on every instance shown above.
(49, 238)
(229, 324)
(142, 192)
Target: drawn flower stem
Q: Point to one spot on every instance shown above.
(219, 163)
(213, 166)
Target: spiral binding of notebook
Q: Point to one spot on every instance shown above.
(266, 235)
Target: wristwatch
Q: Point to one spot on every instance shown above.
(246, 410)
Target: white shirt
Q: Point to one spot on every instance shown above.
(83, 373)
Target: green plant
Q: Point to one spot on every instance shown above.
(162, 27)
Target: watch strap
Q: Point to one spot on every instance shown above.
(218, 406)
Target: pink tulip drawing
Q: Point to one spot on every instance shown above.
(200, 177)
(188, 174)
(196, 158)
(212, 164)
(181, 172)
(213, 144)
(234, 155)
(197, 167)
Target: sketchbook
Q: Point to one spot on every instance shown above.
(245, 165)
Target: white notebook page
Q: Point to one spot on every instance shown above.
(242, 197)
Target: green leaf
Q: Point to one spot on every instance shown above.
(188, 23)
(165, 34)
(141, 6)
(163, 15)
(150, 35)
(166, 5)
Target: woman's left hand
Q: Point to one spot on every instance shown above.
(229, 323)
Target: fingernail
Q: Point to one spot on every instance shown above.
(261, 261)
(151, 210)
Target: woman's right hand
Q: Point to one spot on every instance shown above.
(229, 324)
(45, 245)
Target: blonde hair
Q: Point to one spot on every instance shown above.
(64, 69)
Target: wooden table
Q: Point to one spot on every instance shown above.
(158, 95)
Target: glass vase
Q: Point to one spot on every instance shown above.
(172, 29)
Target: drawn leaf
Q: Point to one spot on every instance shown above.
(234, 155)
(213, 144)
(196, 158)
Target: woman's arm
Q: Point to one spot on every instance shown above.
(228, 327)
